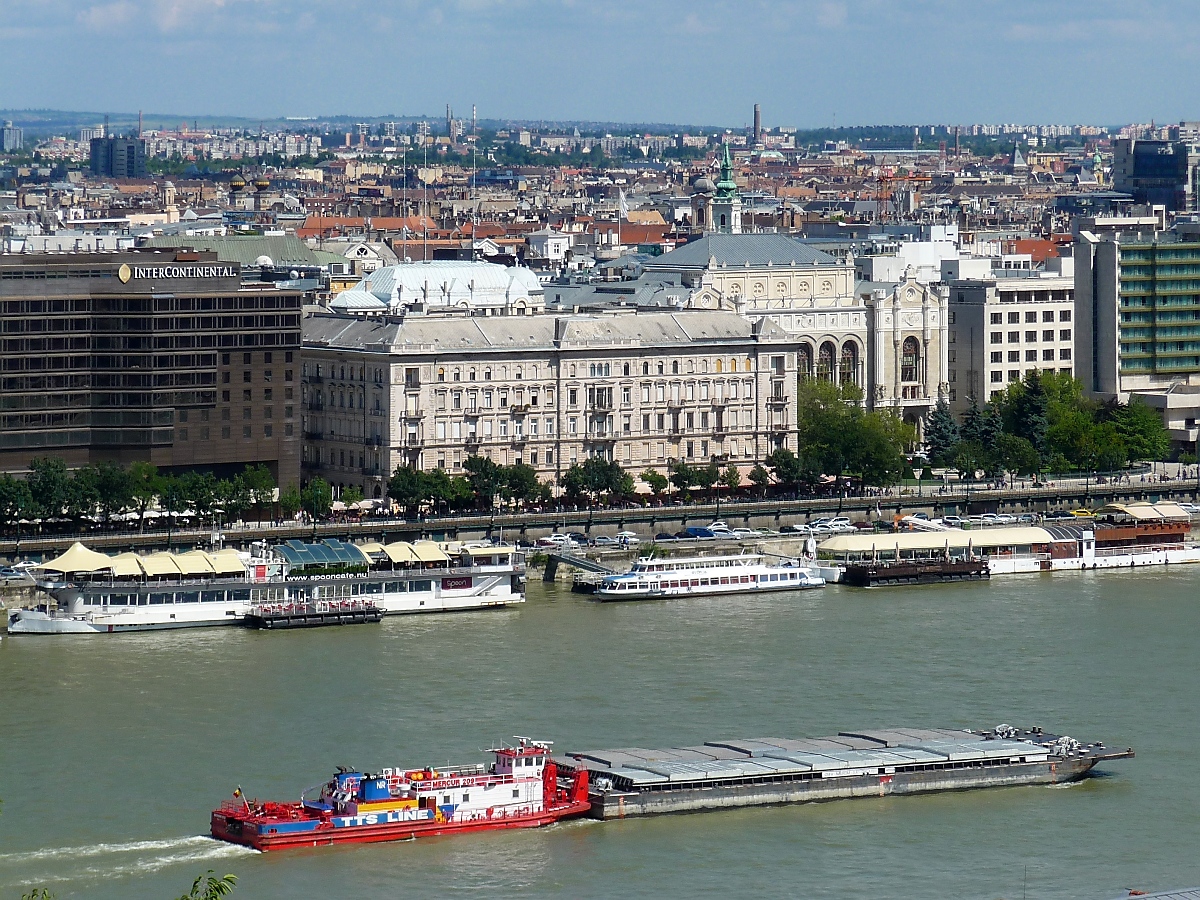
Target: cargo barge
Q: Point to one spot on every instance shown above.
(766, 771)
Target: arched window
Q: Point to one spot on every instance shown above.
(625, 369)
(719, 369)
(848, 367)
(910, 360)
(487, 374)
(470, 374)
(441, 374)
(805, 361)
(825, 358)
(722, 220)
(458, 375)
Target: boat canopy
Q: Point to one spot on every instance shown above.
(429, 551)
(401, 552)
(128, 565)
(228, 562)
(330, 552)
(489, 551)
(936, 540)
(161, 564)
(79, 559)
(1145, 512)
(195, 562)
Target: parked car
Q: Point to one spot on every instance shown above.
(578, 537)
(701, 533)
(747, 533)
(1026, 519)
(1083, 514)
(842, 525)
(558, 542)
(795, 529)
(953, 521)
(603, 540)
(665, 536)
(1005, 519)
(628, 538)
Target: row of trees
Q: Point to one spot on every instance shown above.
(1046, 424)
(104, 491)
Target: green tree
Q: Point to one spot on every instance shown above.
(760, 478)
(289, 501)
(681, 475)
(656, 481)
(49, 486)
(317, 498)
(1111, 451)
(973, 426)
(1141, 430)
(233, 497)
(1016, 454)
(261, 484)
(941, 434)
(83, 494)
(785, 466)
(486, 479)
(731, 477)
(143, 477)
(114, 486)
(210, 887)
(351, 494)
(521, 483)
(38, 894)
(407, 487)
(969, 458)
(199, 490)
(704, 477)
(15, 500)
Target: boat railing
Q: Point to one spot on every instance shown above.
(1133, 549)
(312, 607)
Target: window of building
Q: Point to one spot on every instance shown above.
(1064, 353)
(1031, 315)
(1048, 355)
(224, 359)
(1047, 315)
(572, 425)
(1031, 356)
(441, 375)
(997, 337)
(1014, 318)
(997, 376)
(245, 359)
(1014, 337)
(1013, 356)
(997, 318)
(1031, 337)
(674, 367)
(910, 360)
(224, 378)
(246, 376)
(247, 431)
(1014, 374)
(246, 395)
(224, 396)
(1064, 334)
(626, 396)
(456, 399)
(646, 422)
(246, 412)
(1064, 315)
(572, 397)
(268, 431)
(549, 430)
(1048, 335)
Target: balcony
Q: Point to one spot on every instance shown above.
(314, 435)
(414, 442)
(518, 409)
(777, 401)
(374, 440)
(372, 471)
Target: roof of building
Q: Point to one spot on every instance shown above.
(283, 250)
(511, 333)
(447, 282)
(753, 250)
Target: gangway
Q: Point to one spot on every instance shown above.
(925, 524)
(570, 559)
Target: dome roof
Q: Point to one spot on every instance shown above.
(262, 183)
(704, 185)
(237, 182)
(264, 260)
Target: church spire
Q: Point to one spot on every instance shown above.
(726, 187)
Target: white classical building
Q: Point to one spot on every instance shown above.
(888, 338)
(643, 389)
(429, 286)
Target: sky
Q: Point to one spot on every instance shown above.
(809, 63)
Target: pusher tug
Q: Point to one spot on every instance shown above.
(521, 789)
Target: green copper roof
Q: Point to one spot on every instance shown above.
(726, 187)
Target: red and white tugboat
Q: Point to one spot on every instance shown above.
(521, 789)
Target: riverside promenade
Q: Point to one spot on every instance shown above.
(1055, 496)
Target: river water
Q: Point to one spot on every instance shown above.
(114, 749)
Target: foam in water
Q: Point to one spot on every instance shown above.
(119, 860)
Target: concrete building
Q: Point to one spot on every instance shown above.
(1137, 312)
(163, 357)
(11, 138)
(1163, 173)
(1002, 328)
(116, 157)
(643, 389)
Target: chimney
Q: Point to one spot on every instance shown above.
(757, 124)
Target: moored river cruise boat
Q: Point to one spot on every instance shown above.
(521, 789)
(742, 573)
(93, 592)
(1121, 536)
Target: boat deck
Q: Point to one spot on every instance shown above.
(311, 615)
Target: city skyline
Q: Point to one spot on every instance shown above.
(825, 62)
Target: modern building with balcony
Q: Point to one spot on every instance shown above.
(644, 389)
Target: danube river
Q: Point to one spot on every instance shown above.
(114, 749)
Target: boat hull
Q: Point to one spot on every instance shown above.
(712, 591)
(317, 833)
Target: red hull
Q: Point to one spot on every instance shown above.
(399, 831)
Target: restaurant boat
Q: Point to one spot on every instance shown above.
(521, 789)
(742, 573)
(93, 592)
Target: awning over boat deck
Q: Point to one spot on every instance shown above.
(401, 552)
(79, 559)
(429, 551)
(227, 562)
(489, 551)
(1147, 511)
(128, 565)
(161, 564)
(372, 548)
(330, 552)
(195, 562)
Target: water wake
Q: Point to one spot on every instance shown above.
(103, 861)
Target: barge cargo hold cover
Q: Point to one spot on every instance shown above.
(732, 773)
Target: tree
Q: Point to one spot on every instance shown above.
(317, 498)
(786, 467)
(973, 426)
(114, 489)
(521, 483)
(1016, 454)
(49, 485)
(199, 491)
(1141, 429)
(731, 477)
(352, 494)
(261, 485)
(143, 477)
(485, 477)
(234, 497)
(407, 487)
(655, 480)
(681, 475)
(1111, 451)
(941, 434)
(760, 478)
(289, 501)
(83, 494)
(704, 477)
(15, 501)
(969, 458)
(209, 887)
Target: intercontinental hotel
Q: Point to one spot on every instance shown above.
(166, 357)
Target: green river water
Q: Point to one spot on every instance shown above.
(114, 749)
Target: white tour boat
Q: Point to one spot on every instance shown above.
(93, 592)
(740, 573)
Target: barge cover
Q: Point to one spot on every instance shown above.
(750, 772)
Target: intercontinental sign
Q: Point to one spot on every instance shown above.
(126, 272)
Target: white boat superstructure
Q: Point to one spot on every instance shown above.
(740, 573)
(95, 593)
